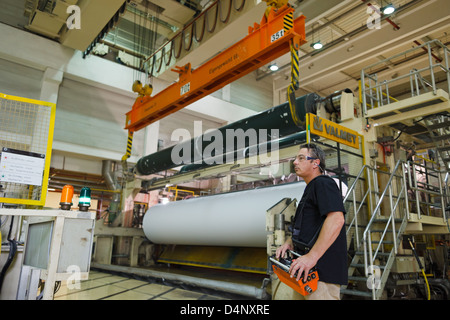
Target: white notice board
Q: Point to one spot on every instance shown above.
(21, 167)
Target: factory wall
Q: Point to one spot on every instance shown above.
(20, 80)
(93, 96)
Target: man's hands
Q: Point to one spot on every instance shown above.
(302, 265)
(281, 251)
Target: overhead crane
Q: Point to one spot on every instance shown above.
(277, 34)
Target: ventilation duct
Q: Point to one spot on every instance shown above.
(108, 168)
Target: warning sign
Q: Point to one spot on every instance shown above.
(21, 167)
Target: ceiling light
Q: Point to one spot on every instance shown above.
(273, 67)
(389, 9)
(317, 45)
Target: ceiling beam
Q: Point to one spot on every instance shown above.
(432, 15)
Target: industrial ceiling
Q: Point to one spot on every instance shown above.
(353, 36)
(131, 31)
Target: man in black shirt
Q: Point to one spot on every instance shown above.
(319, 227)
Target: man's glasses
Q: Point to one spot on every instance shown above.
(302, 158)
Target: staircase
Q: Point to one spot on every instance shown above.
(374, 241)
(411, 201)
(438, 127)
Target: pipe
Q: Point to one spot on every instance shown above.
(108, 174)
(332, 102)
(288, 141)
(278, 118)
(11, 255)
(226, 286)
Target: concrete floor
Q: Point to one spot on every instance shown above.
(106, 286)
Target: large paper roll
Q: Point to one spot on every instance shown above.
(231, 219)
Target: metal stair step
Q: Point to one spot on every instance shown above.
(441, 138)
(385, 254)
(356, 293)
(380, 230)
(360, 265)
(439, 125)
(383, 242)
(357, 278)
(446, 148)
(385, 220)
(362, 226)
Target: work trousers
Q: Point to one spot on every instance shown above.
(325, 291)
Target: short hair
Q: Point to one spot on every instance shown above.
(316, 152)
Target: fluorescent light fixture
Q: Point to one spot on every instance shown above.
(273, 67)
(389, 9)
(317, 45)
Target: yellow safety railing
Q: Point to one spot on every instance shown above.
(180, 191)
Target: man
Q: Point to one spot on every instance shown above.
(319, 228)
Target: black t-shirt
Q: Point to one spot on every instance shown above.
(322, 196)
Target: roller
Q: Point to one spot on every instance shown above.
(236, 219)
(279, 117)
(288, 141)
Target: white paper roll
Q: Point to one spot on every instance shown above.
(231, 219)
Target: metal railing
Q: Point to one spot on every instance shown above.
(375, 93)
(360, 207)
(446, 197)
(387, 213)
(425, 184)
(371, 255)
(447, 189)
(358, 203)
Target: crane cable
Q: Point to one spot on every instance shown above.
(288, 23)
(294, 85)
